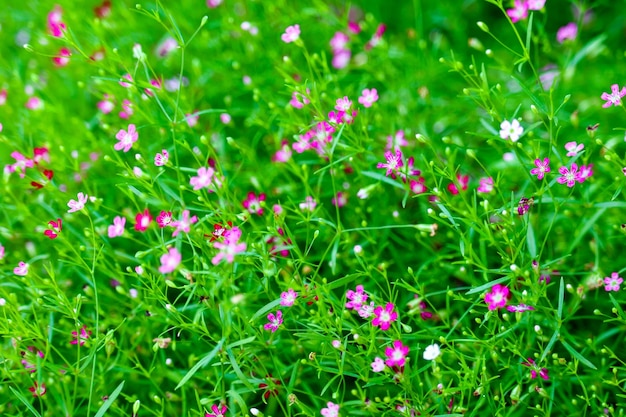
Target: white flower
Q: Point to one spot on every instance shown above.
(511, 130)
(431, 352)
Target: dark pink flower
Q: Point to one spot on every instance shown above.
(384, 316)
(497, 297)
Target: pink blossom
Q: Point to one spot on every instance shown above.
(377, 37)
(521, 308)
(230, 247)
(395, 142)
(62, 59)
(396, 355)
(213, 4)
(569, 176)
(417, 186)
(166, 46)
(106, 106)
(217, 410)
(3, 97)
(160, 159)
(76, 205)
(117, 228)
(55, 23)
(535, 4)
(573, 148)
(366, 310)
(38, 390)
(339, 42)
(126, 138)
(283, 154)
(613, 282)
(519, 11)
(393, 164)
(343, 104)
(34, 103)
(567, 32)
(274, 321)
(341, 59)
(331, 410)
(308, 204)
(127, 109)
(497, 297)
(543, 372)
(340, 200)
(2, 252)
(80, 339)
(20, 165)
(615, 98)
(463, 181)
(183, 224)
(357, 298)
(542, 168)
(21, 269)
(55, 228)
(485, 185)
(378, 365)
(585, 172)
(128, 78)
(253, 203)
(299, 100)
(203, 179)
(225, 118)
(164, 218)
(384, 316)
(170, 261)
(368, 97)
(287, 298)
(292, 34)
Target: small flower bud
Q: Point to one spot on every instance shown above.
(483, 26)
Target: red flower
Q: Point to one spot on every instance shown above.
(142, 221)
(55, 228)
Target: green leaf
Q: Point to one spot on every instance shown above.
(242, 378)
(487, 285)
(578, 356)
(551, 343)
(201, 363)
(105, 406)
(559, 310)
(263, 310)
(531, 243)
(24, 401)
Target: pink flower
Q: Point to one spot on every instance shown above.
(55, 23)
(142, 221)
(343, 104)
(62, 59)
(519, 11)
(166, 46)
(585, 172)
(225, 118)
(542, 168)
(340, 200)
(543, 372)
(613, 282)
(34, 103)
(357, 298)
(160, 159)
(164, 218)
(339, 42)
(80, 339)
(20, 165)
(485, 185)
(341, 58)
(535, 4)
(170, 261)
(184, 224)
(395, 142)
(230, 247)
(462, 180)
(106, 106)
(203, 179)
(253, 203)
(396, 355)
(497, 297)
(292, 34)
(274, 321)
(384, 316)
(376, 38)
(567, 32)
(296, 97)
(368, 97)
(217, 410)
(417, 186)
(213, 4)
(21, 269)
(519, 308)
(127, 109)
(77, 205)
(569, 176)
(38, 390)
(283, 154)
(573, 148)
(126, 138)
(615, 98)
(126, 77)
(287, 298)
(2, 252)
(378, 365)
(55, 228)
(117, 228)
(393, 164)
(308, 204)
(523, 206)
(331, 410)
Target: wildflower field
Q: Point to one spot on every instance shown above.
(322, 208)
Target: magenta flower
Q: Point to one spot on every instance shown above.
(55, 228)
(331, 410)
(287, 298)
(21, 269)
(164, 218)
(524, 205)
(384, 316)
(343, 104)
(497, 297)
(117, 228)
(567, 32)
(38, 390)
(569, 176)
(20, 165)
(106, 106)
(543, 372)
(274, 321)
(80, 339)
(613, 282)
(216, 409)
(142, 221)
(485, 185)
(585, 172)
(368, 97)
(521, 308)
(170, 261)
(292, 34)
(394, 163)
(253, 203)
(2, 252)
(542, 168)
(183, 224)
(230, 247)
(126, 138)
(396, 355)
(535, 4)
(462, 180)
(76, 205)
(357, 298)
(615, 98)
(519, 11)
